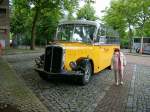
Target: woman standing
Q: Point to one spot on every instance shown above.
(118, 64)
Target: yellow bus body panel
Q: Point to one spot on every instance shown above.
(100, 55)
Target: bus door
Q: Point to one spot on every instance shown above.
(104, 51)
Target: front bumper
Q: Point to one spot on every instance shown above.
(61, 74)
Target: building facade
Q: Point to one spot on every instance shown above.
(4, 22)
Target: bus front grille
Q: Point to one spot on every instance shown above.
(53, 59)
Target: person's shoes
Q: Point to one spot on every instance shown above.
(117, 83)
(121, 82)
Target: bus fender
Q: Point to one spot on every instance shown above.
(81, 62)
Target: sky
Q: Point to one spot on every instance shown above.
(99, 6)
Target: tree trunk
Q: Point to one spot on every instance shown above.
(33, 31)
(141, 46)
(130, 38)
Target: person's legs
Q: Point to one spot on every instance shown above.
(121, 76)
(116, 76)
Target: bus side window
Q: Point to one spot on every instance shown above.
(107, 40)
(102, 40)
(96, 40)
(103, 31)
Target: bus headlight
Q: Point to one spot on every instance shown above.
(73, 65)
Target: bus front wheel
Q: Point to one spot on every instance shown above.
(87, 74)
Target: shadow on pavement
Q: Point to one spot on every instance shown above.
(8, 108)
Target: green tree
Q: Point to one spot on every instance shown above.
(122, 14)
(38, 16)
(131, 15)
(114, 19)
(143, 18)
(86, 12)
(18, 18)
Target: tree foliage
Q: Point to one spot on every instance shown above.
(37, 19)
(115, 20)
(129, 15)
(143, 18)
(86, 12)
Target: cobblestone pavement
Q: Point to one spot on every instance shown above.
(134, 95)
(14, 95)
(100, 95)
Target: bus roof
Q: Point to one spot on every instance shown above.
(84, 22)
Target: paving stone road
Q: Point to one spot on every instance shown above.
(100, 95)
(14, 95)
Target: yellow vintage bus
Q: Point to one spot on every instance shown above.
(80, 48)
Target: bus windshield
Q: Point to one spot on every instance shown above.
(75, 33)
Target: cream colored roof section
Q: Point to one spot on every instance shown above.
(84, 22)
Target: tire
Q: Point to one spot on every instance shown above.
(87, 74)
(44, 77)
